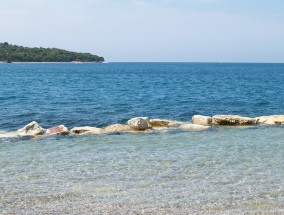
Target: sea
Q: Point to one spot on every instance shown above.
(223, 170)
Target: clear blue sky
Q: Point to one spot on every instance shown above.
(150, 30)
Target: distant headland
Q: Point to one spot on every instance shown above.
(12, 53)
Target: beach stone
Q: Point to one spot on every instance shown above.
(117, 128)
(201, 120)
(271, 120)
(60, 129)
(31, 129)
(233, 120)
(163, 123)
(193, 127)
(139, 123)
(87, 130)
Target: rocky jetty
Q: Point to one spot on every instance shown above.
(31, 129)
(144, 125)
(232, 120)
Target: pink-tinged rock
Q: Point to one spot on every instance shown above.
(60, 129)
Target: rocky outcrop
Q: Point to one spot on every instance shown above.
(193, 127)
(60, 130)
(163, 123)
(201, 120)
(233, 120)
(271, 120)
(31, 129)
(117, 128)
(139, 123)
(87, 130)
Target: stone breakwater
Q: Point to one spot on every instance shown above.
(146, 125)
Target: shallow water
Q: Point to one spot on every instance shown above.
(225, 171)
(219, 171)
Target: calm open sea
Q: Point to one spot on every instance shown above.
(219, 171)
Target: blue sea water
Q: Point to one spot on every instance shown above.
(219, 171)
(102, 94)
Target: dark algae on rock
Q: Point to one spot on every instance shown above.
(13, 53)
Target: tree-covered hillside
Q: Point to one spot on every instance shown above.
(14, 53)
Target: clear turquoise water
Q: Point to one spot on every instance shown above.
(219, 171)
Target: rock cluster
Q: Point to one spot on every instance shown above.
(146, 125)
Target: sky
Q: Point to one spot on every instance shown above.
(150, 30)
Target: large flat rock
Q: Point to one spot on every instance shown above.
(271, 120)
(233, 120)
(87, 130)
(163, 123)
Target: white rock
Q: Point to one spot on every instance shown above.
(139, 123)
(31, 129)
(193, 127)
(201, 120)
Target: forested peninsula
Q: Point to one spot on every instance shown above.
(13, 53)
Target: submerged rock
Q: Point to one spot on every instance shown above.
(60, 129)
(117, 128)
(193, 127)
(31, 129)
(4, 134)
(163, 123)
(139, 123)
(87, 130)
(233, 120)
(201, 120)
(271, 120)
